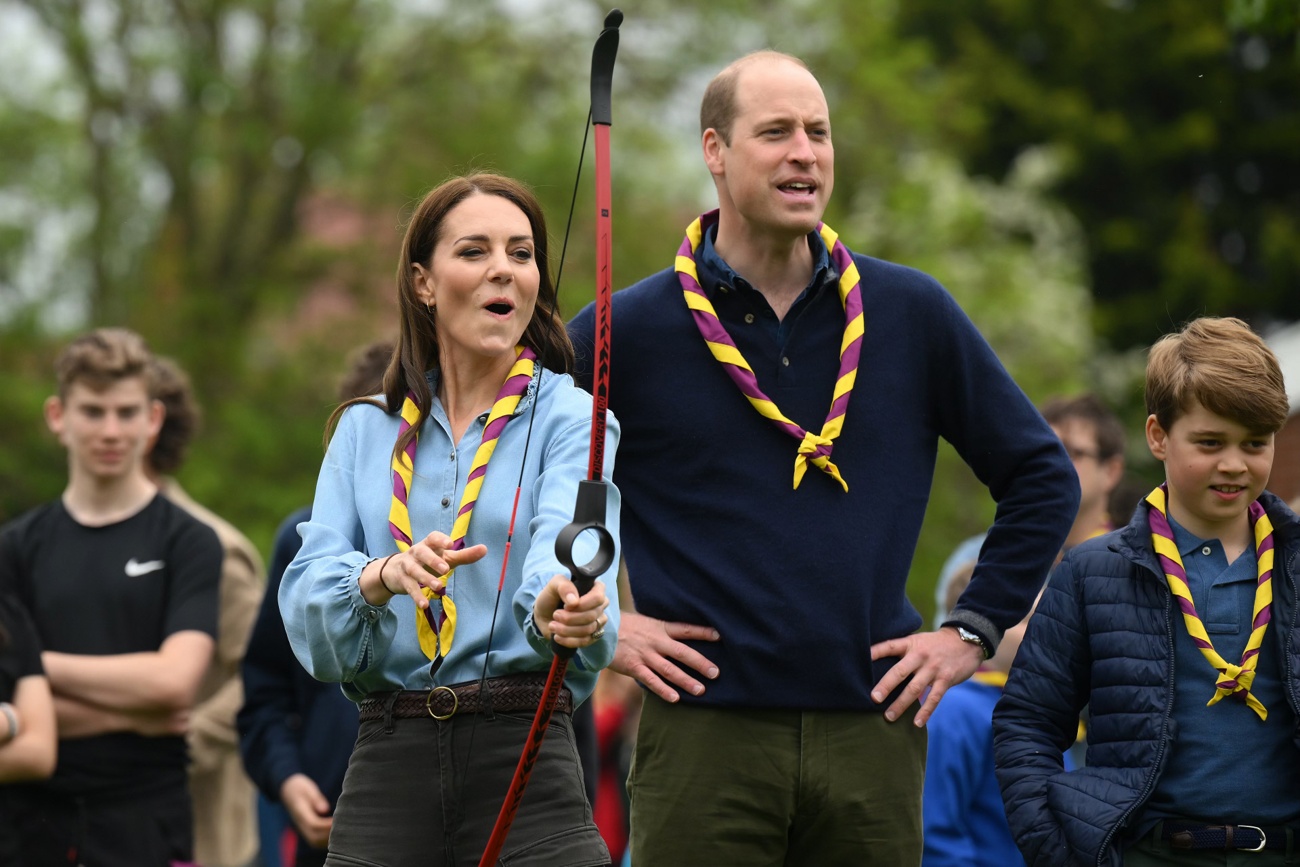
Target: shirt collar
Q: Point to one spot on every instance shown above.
(714, 272)
(1187, 542)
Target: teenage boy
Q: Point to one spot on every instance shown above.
(1180, 631)
(122, 587)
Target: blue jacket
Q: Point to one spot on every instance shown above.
(290, 723)
(965, 825)
(1103, 635)
(800, 583)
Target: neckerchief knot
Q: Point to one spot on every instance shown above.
(814, 447)
(1234, 680)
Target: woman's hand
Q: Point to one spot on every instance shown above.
(424, 564)
(567, 618)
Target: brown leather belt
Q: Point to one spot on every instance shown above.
(509, 693)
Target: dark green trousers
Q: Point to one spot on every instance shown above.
(766, 788)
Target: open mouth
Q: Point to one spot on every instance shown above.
(798, 188)
(500, 308)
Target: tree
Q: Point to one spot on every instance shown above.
(1179, 127)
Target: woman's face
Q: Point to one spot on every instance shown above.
(482, 279)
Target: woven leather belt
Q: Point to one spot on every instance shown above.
(1186, 836)
(509, 693)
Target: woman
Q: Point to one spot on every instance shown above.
(28, 737)
(372, 601)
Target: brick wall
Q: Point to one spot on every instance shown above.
(1285, 481)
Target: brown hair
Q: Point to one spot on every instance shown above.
(366, 367)
(1089, 408)
(718, 108)
(1222, 365)
(180, 421)
(102, 358)
(417, 345)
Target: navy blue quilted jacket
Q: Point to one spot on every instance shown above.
(1104, 635)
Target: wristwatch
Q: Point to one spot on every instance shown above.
(971, 638)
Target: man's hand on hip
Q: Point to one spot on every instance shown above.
(934, 660)
(652, 652)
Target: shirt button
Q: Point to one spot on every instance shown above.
(1206, 550)
(785, 362)
(749, 318)
(446, 501)
(451, 457)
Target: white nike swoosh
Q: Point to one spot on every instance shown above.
(135, 569)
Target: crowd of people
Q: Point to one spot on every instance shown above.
(776, 402)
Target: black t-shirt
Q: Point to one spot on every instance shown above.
(20, 656)
(20, 649)
(120, 588)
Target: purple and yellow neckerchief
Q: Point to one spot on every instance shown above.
(813, 447)
(1234, 680)
(436, 641)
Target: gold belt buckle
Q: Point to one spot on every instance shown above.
(455, 703)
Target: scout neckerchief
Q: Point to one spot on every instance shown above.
(436, 641)
(1234, 679)
(813, 447)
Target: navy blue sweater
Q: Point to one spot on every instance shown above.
(800, 583)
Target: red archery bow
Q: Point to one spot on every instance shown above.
(589, 511)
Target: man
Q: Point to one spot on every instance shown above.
(225, 822)
(1094, 439)
(787, 595)
(122, 587)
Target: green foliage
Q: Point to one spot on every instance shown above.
(1179, 124)
(241, 198)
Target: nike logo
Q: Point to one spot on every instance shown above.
(134, 568)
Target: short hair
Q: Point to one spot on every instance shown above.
(1224, 366)
(1090, 408)
(366, 367)
(180, 421)
(718, 108)
(102, 358)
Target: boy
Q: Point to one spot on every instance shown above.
(122, 586)
(1180, 631)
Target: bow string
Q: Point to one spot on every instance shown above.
(589, 510)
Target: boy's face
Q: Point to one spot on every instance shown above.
(105, 432)
(1215, 469)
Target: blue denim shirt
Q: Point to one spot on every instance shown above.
(339, 637)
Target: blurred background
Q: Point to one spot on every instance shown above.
(231, 179)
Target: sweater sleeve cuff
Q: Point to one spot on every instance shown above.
(979, 624)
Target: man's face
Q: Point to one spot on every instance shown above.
(1098, 476)
(777, 173)
(105, 432)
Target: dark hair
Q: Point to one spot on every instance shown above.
(1222, 365)
(171, 386)
(366, 367)
(1089, 408)
(102, 358)
(718, 108)
(417, 345)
